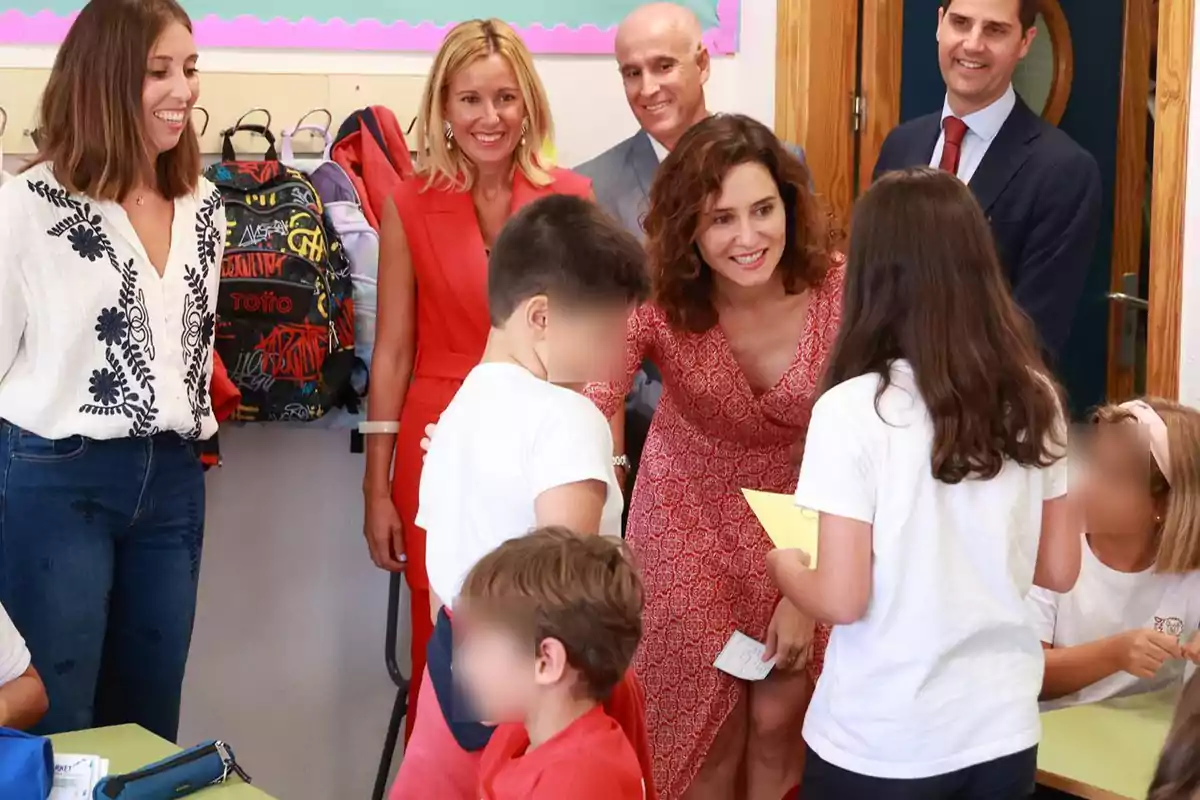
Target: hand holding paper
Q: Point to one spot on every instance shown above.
(789, 526)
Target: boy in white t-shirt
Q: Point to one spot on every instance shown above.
(516, 449)
(1130, 624)
(22, 695)
(936, 460)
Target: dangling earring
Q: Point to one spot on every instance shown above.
(524, 129)
(449, 137)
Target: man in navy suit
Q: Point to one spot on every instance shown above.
(1040, 190)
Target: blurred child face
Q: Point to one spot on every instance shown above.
(744, 228)
(497, 671)
(1116, 488)
(581, 344)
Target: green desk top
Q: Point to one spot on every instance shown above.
(1106, 750)
(130, 747)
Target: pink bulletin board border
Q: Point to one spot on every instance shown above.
(46, 27)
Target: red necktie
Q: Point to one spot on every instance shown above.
(955, 130)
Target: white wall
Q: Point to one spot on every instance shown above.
(287, 660)
(1189, 333)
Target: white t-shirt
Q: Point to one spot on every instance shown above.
(943, 671)
(1106, 602)
(506, 438)
(14, 656)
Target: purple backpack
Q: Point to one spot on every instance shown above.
(344, 214)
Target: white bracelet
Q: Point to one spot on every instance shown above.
(376, 426)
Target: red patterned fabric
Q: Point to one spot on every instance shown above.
(701, 551)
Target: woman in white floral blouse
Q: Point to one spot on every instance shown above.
(110, 249)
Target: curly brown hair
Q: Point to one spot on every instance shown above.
(684, 186)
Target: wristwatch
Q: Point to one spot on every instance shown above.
(621, 462)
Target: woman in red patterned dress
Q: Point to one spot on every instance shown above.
(746, 306)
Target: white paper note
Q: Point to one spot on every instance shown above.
(76, 775)
(742, 657)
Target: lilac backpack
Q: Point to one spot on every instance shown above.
(344, 214)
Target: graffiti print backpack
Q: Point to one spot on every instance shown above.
(285, 310)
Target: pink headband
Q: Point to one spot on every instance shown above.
(1159, 449)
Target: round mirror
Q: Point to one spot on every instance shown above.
(1043, 78)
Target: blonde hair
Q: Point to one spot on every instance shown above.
(466, 43)
(1179, 534)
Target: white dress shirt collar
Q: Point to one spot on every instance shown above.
(660, 149)
(987, 122)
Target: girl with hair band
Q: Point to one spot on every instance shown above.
(1130, 623)
(111, 245)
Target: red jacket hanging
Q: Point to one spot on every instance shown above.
(370, 146)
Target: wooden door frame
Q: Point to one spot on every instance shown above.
(1173, 88)
(882, 56)
(810, 54)
(815, 74)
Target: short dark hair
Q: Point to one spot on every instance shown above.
(90, 120)
(694, 172)
(579, 589)
(1027, 11)
(924, 284)
(568, 249)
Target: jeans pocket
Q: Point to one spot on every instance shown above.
(26, 446)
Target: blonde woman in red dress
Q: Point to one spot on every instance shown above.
(483, 124)
(746, 306)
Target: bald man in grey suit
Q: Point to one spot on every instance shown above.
(664, 66)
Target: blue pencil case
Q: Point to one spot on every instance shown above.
(179, 775)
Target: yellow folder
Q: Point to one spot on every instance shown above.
(788, 525)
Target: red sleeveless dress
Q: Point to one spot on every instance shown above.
(450, 269)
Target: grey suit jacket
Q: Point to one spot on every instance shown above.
(621, 177)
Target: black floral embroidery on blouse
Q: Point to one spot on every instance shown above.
(199, 318)
(112, 326)
(124, 384)
(105, 386)
(85, 242)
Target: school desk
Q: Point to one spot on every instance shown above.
(130, 747)
(1105, 751)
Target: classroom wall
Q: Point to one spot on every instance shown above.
(1189, 334)
(287, 662)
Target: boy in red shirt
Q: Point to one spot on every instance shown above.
(547, 626)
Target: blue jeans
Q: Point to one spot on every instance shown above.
(99, 561)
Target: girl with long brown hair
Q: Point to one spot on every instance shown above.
(936, 460)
